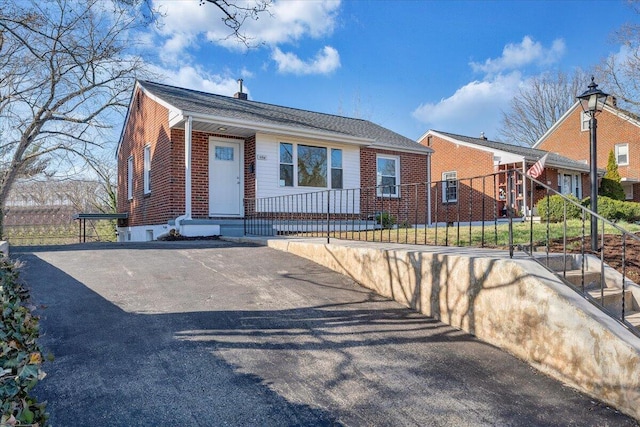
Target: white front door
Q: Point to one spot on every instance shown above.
(225, 178)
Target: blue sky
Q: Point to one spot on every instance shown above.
(407, 65)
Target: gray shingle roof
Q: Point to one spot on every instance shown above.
(268, 114)
(529, 154)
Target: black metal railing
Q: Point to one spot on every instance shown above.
(498, 211)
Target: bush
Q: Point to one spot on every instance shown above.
(20, 355)
(556, 208)
(616, 210)
(385, 219)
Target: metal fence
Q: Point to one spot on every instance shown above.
(27, 226)
(498, 210)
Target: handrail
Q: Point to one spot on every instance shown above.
(449, 213)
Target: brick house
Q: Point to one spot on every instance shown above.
(618, 131)
(190, 160)
(461, 176)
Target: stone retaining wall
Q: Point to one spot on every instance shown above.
(514, 304)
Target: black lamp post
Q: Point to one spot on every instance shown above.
(592, 102)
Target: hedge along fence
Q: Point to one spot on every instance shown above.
(611, 209)
(20, 354)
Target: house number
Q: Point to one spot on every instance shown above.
(262, 157)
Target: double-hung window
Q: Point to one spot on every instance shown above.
(336, 168)
(584, 121)
(304, 165)
(388, 175)
(130, 178)
(147, 169)
(622, 154)
(286, 164)
(450, 187)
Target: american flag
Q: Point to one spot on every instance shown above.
(536, 170)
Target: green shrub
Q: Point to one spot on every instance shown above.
(556, 205)
(616, 210)
(20, 355)
(385, 219)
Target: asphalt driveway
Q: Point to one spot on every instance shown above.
(212, 333)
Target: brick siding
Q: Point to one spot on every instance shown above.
(570, 141)
(148, 124)
(411, 204)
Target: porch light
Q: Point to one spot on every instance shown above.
(592, 102)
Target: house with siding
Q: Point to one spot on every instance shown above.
(618, 131)
(192, 161)
(462, 168)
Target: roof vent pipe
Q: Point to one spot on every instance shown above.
(482, 136)
(240, 94)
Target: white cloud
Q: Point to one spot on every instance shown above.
(473, 108)
(326, 61)
(246, 74)
(477, 106)
(287, 21)
(519, 55)
(196, 78)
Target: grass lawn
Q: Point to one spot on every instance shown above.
(489, 235)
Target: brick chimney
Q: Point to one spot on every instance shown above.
(240, 94)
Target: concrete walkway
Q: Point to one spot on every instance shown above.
(215, 333)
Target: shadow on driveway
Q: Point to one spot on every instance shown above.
(240, 335)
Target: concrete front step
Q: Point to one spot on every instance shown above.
(556, 262)
(633, 317)
(613, 299)
(591, 278)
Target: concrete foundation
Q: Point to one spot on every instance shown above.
(514, 304)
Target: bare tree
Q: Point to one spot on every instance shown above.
(539, 104)
(65, 66)
(235, 13)
(619, 74)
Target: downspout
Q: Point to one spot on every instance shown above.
(428, 189)
(187, 167)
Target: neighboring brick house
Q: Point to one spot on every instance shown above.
(461, 181)
(617, 131)
(188, 160)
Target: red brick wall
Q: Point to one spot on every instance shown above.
(411, 204)
(568, 140)
(468, 162)
(200, 170)
(147, 124)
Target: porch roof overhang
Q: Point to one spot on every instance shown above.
(630, 180)
(243, 128)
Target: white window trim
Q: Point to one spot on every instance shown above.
(618, 156)
(378, 187)
(576, 183)
(294, 155)
(147, 169)
(130, 178)
(445, 186)
(584, 121)
(332, 167)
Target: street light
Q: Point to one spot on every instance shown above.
(592, 102)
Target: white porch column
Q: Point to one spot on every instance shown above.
(187, 167)
(429, 190)
(524, 189)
